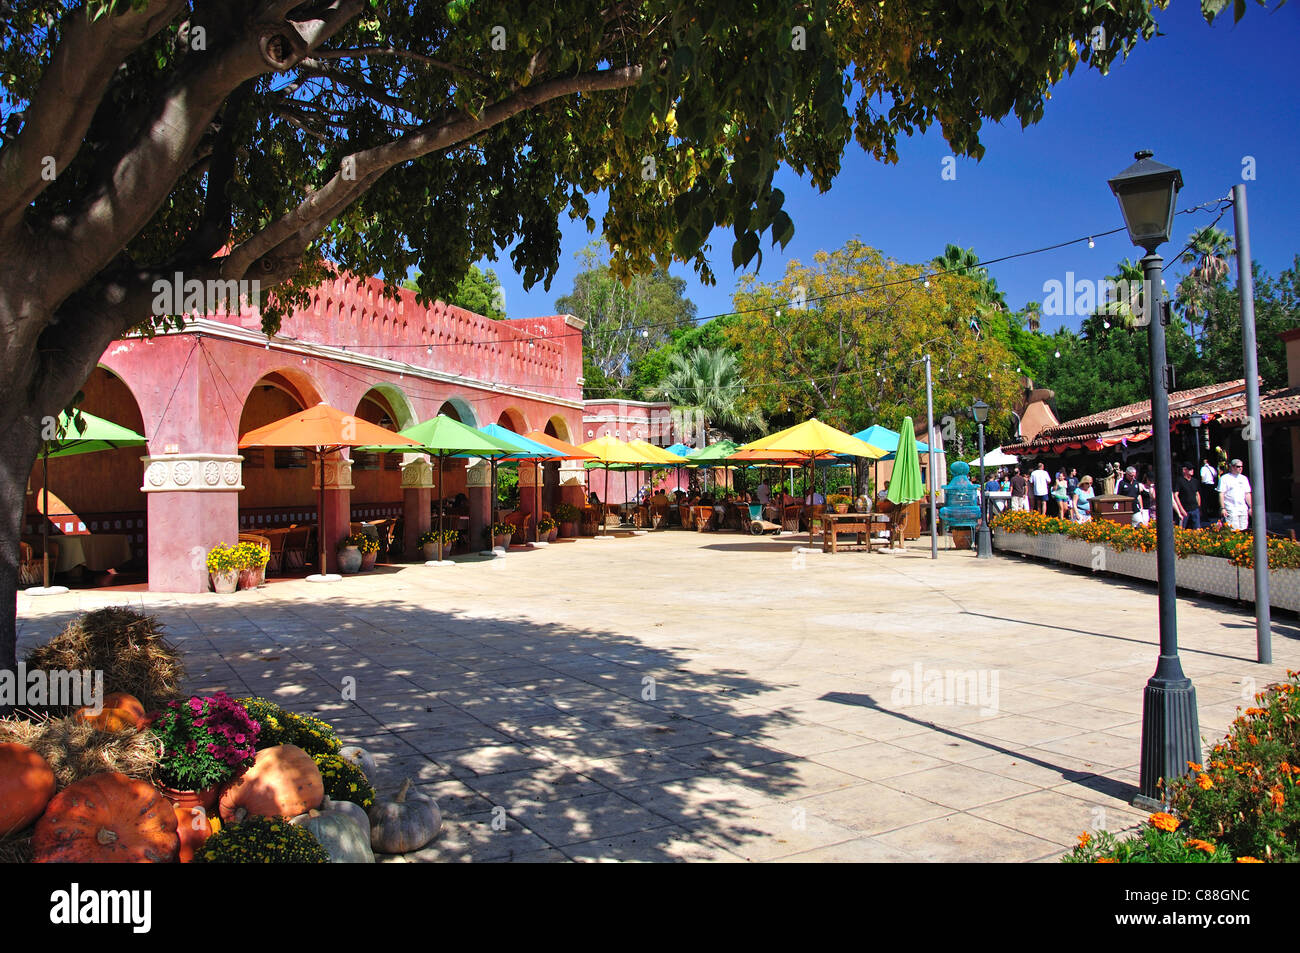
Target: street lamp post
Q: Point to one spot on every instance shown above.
(984, 542)
(1170, 734)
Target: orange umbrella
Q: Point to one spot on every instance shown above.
(324, 429)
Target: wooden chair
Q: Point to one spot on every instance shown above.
(298, 546)
(897, 523)
(658, 515)
(790, 518)
(30, 570)
(275, 562)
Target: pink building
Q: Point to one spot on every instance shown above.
(651, 421)
(192, 394)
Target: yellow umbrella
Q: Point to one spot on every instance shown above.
(607, 450)
(809, 440)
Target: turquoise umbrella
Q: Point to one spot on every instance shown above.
(528, 450)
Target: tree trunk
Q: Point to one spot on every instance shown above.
(19, 444)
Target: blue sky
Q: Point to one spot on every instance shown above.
(1201, 97)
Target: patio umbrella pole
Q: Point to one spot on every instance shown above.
(441, 503)
(537, 501)
(45, 523)
(320, 509)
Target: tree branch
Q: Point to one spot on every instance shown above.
(352, 179)
(67, 98)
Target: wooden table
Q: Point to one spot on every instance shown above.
(853, 524)
(97, 552)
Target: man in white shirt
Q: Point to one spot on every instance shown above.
(814, 499)
(1234, 497)
(1209, 490)
(1040, 483)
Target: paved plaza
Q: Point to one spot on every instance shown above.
(684, 696)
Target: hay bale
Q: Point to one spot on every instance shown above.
(16, 850)
(75, 750)
(126, 646)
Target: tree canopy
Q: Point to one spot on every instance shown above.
(479, 291)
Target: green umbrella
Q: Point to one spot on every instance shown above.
(905, 482)
(84, 433)
(444, 437)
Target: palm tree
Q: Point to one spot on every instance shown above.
(1033, 314)
(964, 261)
(1128, 280)
(706, 384)
(1207, 251)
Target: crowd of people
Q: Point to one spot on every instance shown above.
(1201, 498)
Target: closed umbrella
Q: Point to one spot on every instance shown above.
(905, 482)
(84, 433)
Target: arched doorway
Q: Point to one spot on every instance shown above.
(377, 477)
(97, 494)
(459, 409)
(277, 481)
(513, 420)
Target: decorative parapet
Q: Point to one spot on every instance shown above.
(211, 472)
(417, 475)
(572, 473)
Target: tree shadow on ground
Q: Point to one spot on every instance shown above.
(539, 742)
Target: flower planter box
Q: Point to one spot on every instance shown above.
(1283, 587)
(1075, 552)
(1212, 575)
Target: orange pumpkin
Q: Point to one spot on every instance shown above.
(104, 819)
(284, 781)
(193, 828)
(26, 786)
(121, 712)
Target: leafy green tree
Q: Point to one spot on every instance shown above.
(479, 291)
(624, 320)
(275, 139)
(852, 356)
(649, 370)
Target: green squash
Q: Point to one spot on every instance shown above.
(406, 823)
(349, 809)
(338, 834)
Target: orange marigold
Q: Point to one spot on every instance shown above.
(1085, 839)
(1163, 821)
(1249, 860)
(1199, 844)
(1194, 766)
(1106, 860)
(1203, 782)
(1275, 795)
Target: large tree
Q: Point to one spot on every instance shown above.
(254, 139)
(843, 339)
(623, 319)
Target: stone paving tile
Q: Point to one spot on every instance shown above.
(871, 808)
(530, 697)
(961, 837)
(876, 760)
(958, 786)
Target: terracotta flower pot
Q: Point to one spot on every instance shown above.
(430, 551)
(550, 534)
(502, 541)
(349, 559)
(225, 582)
(841, 507)
(568, 530)
(368, 560)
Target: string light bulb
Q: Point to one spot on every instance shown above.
(1091, 243)
(1058, 353)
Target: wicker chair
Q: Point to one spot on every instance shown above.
(298, 546)
(30, 571)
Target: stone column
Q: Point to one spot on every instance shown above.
(530, 490)
(478, 482)
(417, 498)
(336, 520)
(573, 482)
(193, 505)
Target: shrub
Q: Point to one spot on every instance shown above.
(568, 513)
(203, 741)
(280, 727)
(1242, 804)
(363, 542)
(262, 840)
(838, 499)
(344, 780)
(224, 559)
(1228, 544)
(251, 556)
